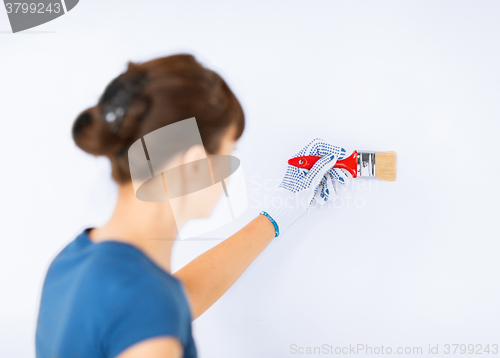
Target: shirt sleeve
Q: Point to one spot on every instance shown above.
(142, 311)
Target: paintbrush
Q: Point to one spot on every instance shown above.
(364, 164)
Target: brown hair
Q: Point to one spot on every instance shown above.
(154, 94)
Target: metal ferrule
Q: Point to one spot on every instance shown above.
(366, 164)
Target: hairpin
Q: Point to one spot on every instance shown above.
(118, 96)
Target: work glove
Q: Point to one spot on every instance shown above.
(301, 187)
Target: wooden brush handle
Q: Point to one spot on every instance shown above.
(307, 162)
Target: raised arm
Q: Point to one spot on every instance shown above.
(210, 275)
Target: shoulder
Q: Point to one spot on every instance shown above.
(137, 286)
(128, 276)
(139, 299)
(114, 279)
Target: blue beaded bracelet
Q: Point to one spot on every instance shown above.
(272, 220)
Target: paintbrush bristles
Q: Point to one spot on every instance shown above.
(385, 166)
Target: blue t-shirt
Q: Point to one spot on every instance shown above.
(100, 298)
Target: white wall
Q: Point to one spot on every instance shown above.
(414, 263)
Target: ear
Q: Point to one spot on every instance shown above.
(194, 164)
(196, 152)
(195, 173)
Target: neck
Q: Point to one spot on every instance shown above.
(148, 226)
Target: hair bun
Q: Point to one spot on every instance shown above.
(93, 135)
(108, 127)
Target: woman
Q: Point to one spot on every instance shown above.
(109, 292)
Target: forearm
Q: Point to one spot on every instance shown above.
(210, 275)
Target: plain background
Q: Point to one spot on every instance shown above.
(410, 263)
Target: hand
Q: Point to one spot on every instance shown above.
(300, 187)
(294, 177)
